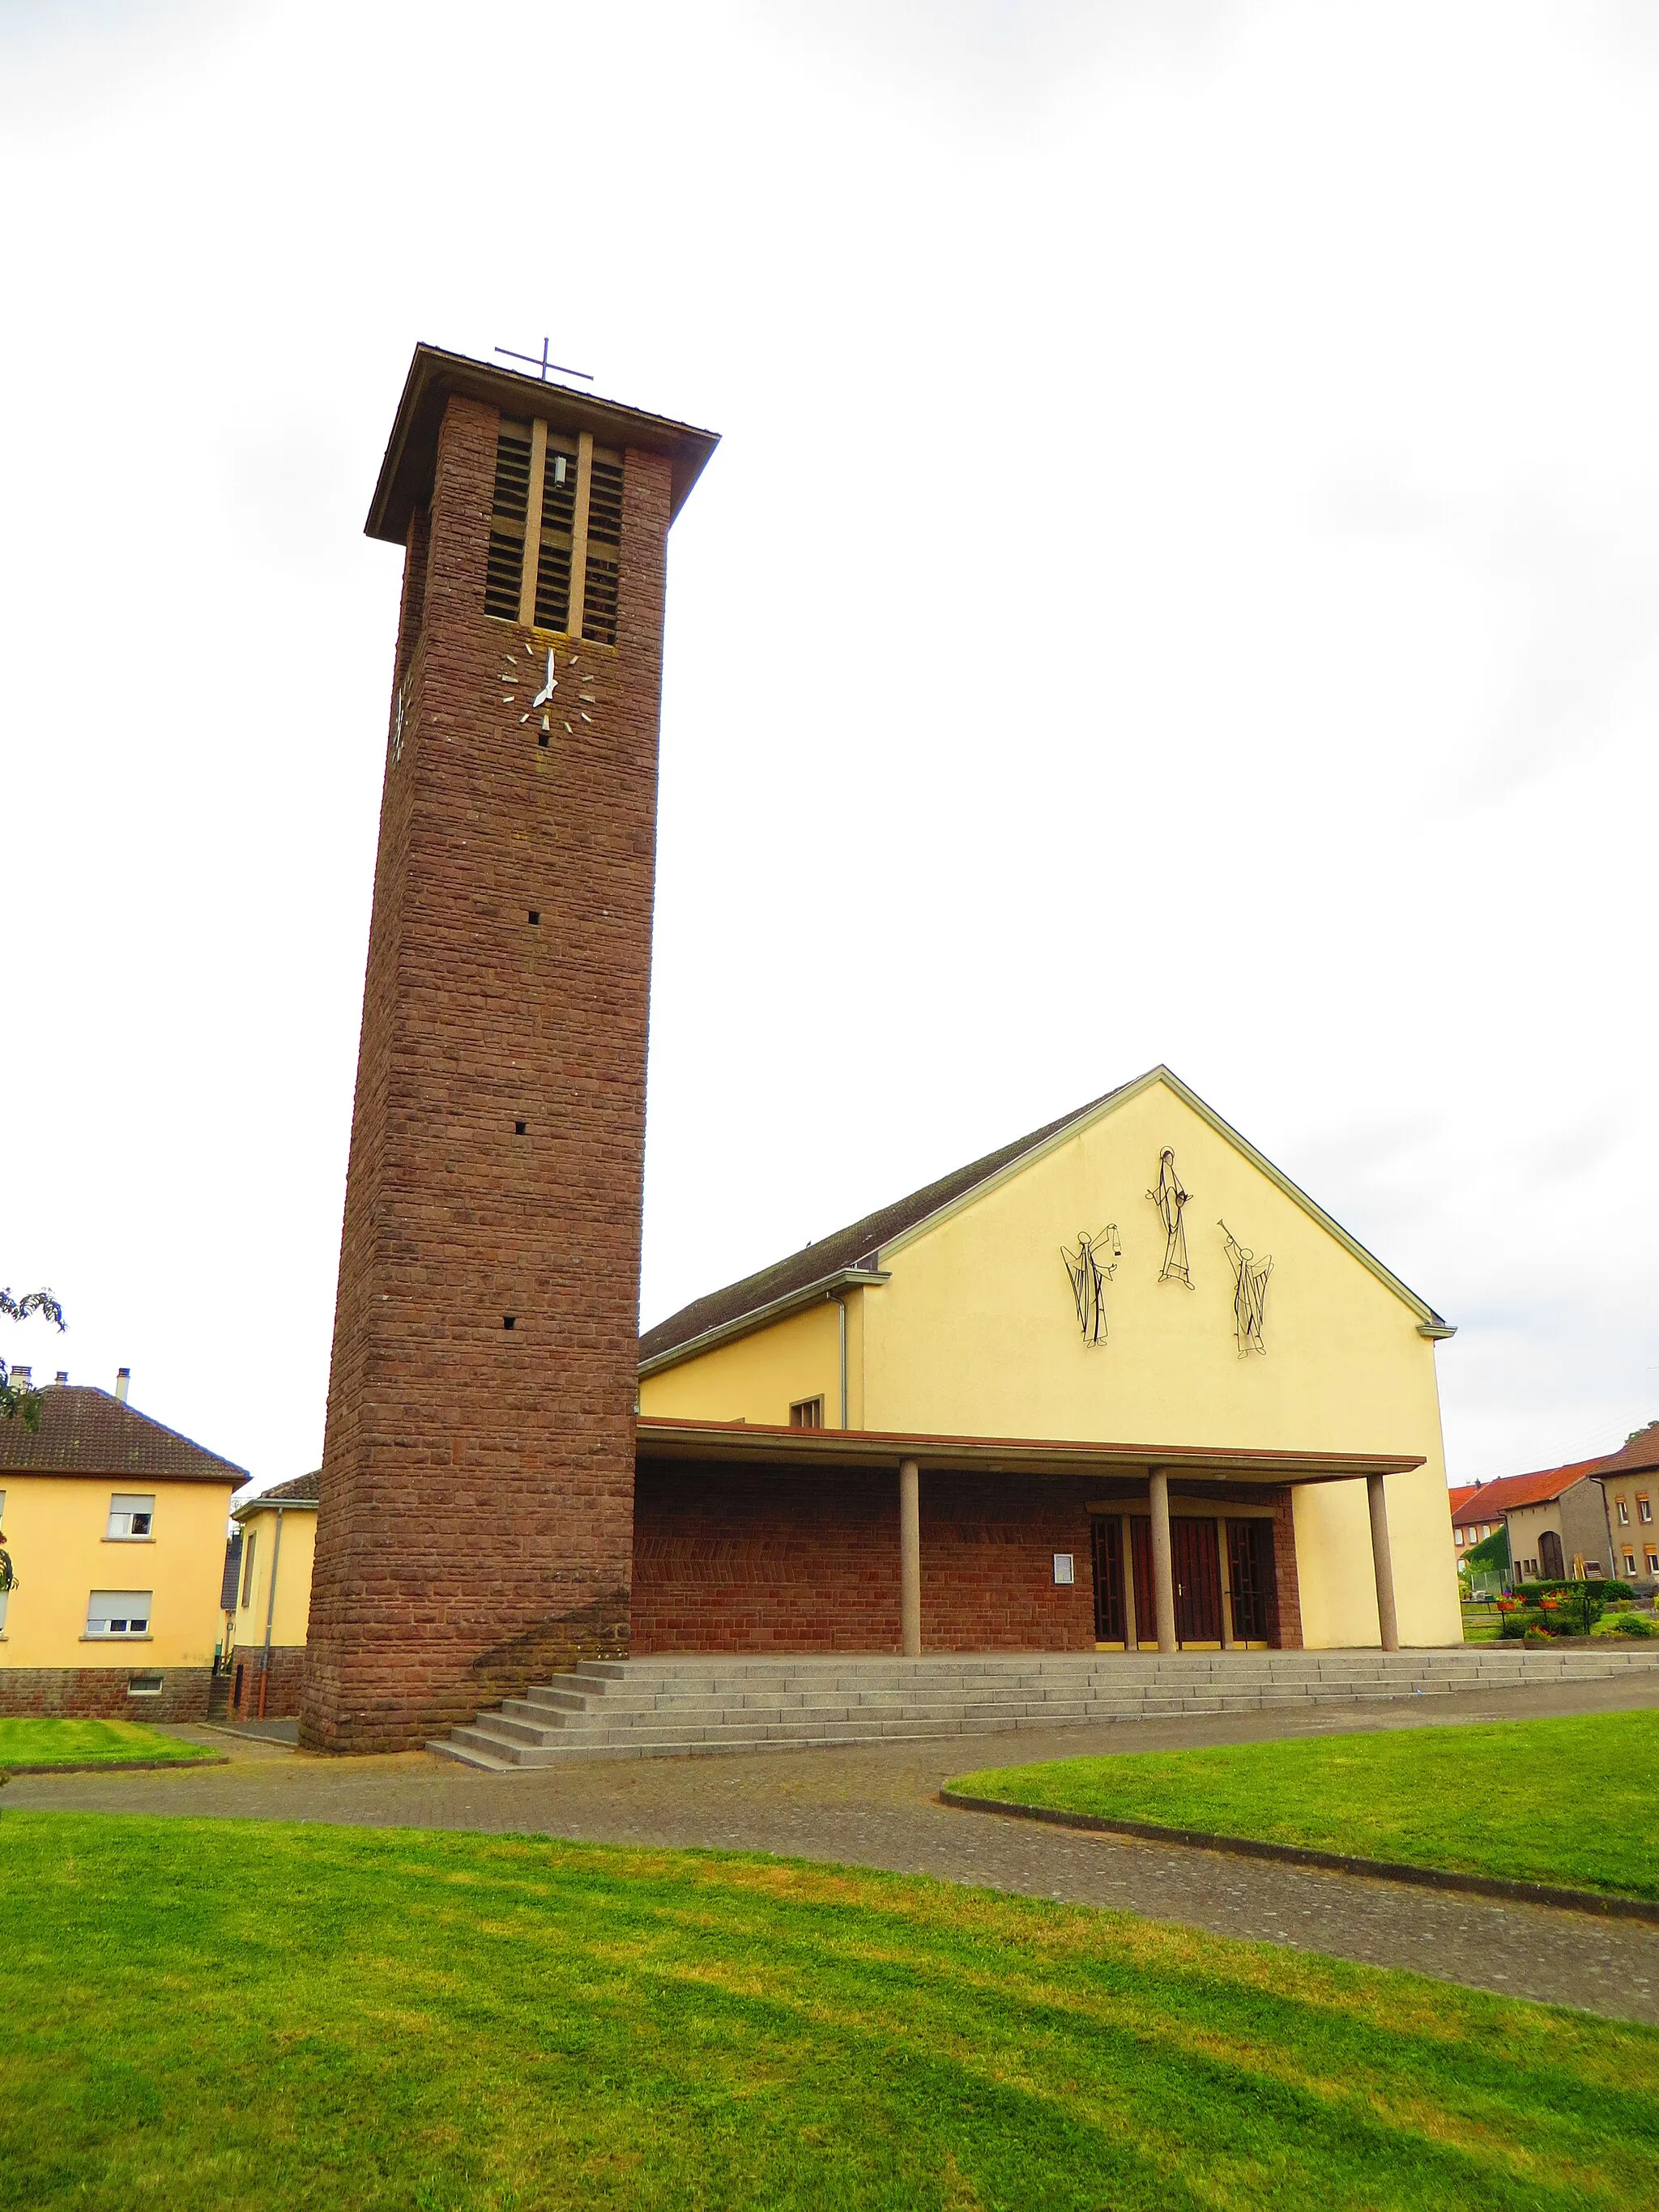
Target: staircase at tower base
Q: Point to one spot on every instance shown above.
(696, 1706)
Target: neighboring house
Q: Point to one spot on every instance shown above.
(1123, 1370)
(1556, 1521)
(1630, 1477)
(116, 1528)
(278, 1530)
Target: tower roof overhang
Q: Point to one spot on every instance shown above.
(747, 1442)
(434, 377)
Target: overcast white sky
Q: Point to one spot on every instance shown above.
(1178, 583)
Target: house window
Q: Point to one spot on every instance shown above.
(806, 1414)
(1065, 1567)
(1623, 1513)
(144, 1686)
(119, 1613)
(131, 1518)
(1649, 1565)
(247, 1567)
(564, 572)
(1644, 1507)
(1629, 1561)
(1457, 1538)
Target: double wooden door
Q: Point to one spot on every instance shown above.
(1195, 1559)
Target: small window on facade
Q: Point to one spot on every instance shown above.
(1644, 1507)
(1457, 1538)
(1629, 1561)
(806, 1414)
(143, 1686)
(129, 1515)
(247, 1566)
(1065, 1566)
(119, 1613)
(1623, 1513)
(1650, 1564)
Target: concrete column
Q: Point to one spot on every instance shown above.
(1228, 1640)
(1162, 1562)
(1382, 1563)
(1131, 1626)
(910, 1559)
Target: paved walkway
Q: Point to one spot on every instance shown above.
(876, 1806)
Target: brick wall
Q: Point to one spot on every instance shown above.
(101, 1694)
(283, 1680)
(750, 1559)
(742, 1560)
(476, 1522)
(1288, 1608)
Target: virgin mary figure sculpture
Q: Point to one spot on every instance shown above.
(1171, 1200)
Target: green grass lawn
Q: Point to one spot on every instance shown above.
(1574, 1801)
(83, 1743)
(198, 2014)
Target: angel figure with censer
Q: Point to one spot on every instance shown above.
(1090, 1267)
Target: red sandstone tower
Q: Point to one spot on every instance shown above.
(477, 1516)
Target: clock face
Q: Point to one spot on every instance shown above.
(549, 692)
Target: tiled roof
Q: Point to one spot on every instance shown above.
(859, 1242)
(231, 1575)
(1640, 1455)
(1461, 1495)
(304, 1489)
(1508, 1490)
(84, 1431)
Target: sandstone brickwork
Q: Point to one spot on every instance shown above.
(476, 1524)
(284, 1679)
(104, 1693)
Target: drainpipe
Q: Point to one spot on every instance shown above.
(841, 1309)
(270, 1612)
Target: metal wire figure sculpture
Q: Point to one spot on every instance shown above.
(1091, 1270)
(1171, 1200)
(1251, 1292)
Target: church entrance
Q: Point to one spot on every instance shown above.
(1126, 1609)
(1197, 1564)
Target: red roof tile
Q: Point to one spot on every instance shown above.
(1492, 1499)
(88, 1432)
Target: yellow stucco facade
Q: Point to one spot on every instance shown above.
(57, 1533)
(292, 1561)
(975, 1333)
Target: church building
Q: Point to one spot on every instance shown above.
(1119, 1383)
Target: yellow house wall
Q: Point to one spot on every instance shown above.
(1640, 1535)
(976, 1335)
(55, 1532)
(758, 1378)
(293, 1609)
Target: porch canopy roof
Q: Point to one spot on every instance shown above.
(730, 1441)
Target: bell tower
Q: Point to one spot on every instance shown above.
(476, 1524)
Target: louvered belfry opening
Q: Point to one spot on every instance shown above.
(504, 571)
(604, 510)
(559, 472)
(563, 571)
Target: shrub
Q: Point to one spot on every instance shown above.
(1626, 1624)
(1520, 1621)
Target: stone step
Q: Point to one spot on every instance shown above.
(699, 1706)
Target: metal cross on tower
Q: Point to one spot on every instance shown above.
(541, 362)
